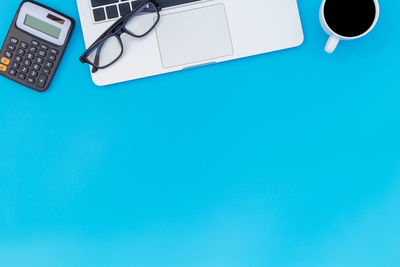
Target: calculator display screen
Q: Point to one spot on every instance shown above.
(42, 26)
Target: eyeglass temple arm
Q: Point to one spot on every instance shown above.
(97, 58)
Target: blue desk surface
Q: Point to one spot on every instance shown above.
(284, 159)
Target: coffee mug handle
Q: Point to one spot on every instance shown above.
(332, 43)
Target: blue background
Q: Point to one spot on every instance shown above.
(285, 159)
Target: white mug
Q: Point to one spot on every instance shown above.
(335, 38)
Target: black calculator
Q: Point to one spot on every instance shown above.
(35, 45)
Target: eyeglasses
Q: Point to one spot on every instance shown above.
(108, 48)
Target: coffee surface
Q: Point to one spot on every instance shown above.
(350, 18)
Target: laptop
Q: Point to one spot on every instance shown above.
(192, 33)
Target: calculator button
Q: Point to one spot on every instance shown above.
(13, 40)
(44, 47)
(39, 60)
(35, 43)
(52, 58)
(11, 47)
(12, 72)
(23, 45)
(36, 67)
(20, 52)
(33, 73)
(32, 49)
(3, 67)
(24, 69)
(27, 62)
(18, 58)
(48, 64)
(30, 56)
(46, 71)
(54, 51)
(42, 53)
(42, 81)
(14, 65)
(8, 54)
(21, 76)
(5, 61)
(30, 80)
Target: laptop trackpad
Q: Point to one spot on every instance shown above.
(194, 36)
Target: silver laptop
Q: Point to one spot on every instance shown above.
(193, 33)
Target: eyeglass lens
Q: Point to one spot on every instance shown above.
(105, 52)
(144, 21)
(110, 49)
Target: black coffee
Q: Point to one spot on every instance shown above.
(350, 18)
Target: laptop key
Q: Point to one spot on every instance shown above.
(169, 3)
(96, 3)
(112, 12)
(99, 14)
(135, 4)
(124, 8)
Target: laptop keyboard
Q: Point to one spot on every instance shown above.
(106, 10)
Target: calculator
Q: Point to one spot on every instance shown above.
(35, 45)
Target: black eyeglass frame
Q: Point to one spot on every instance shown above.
(117, 29)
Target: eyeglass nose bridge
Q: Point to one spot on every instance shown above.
(119, 30)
